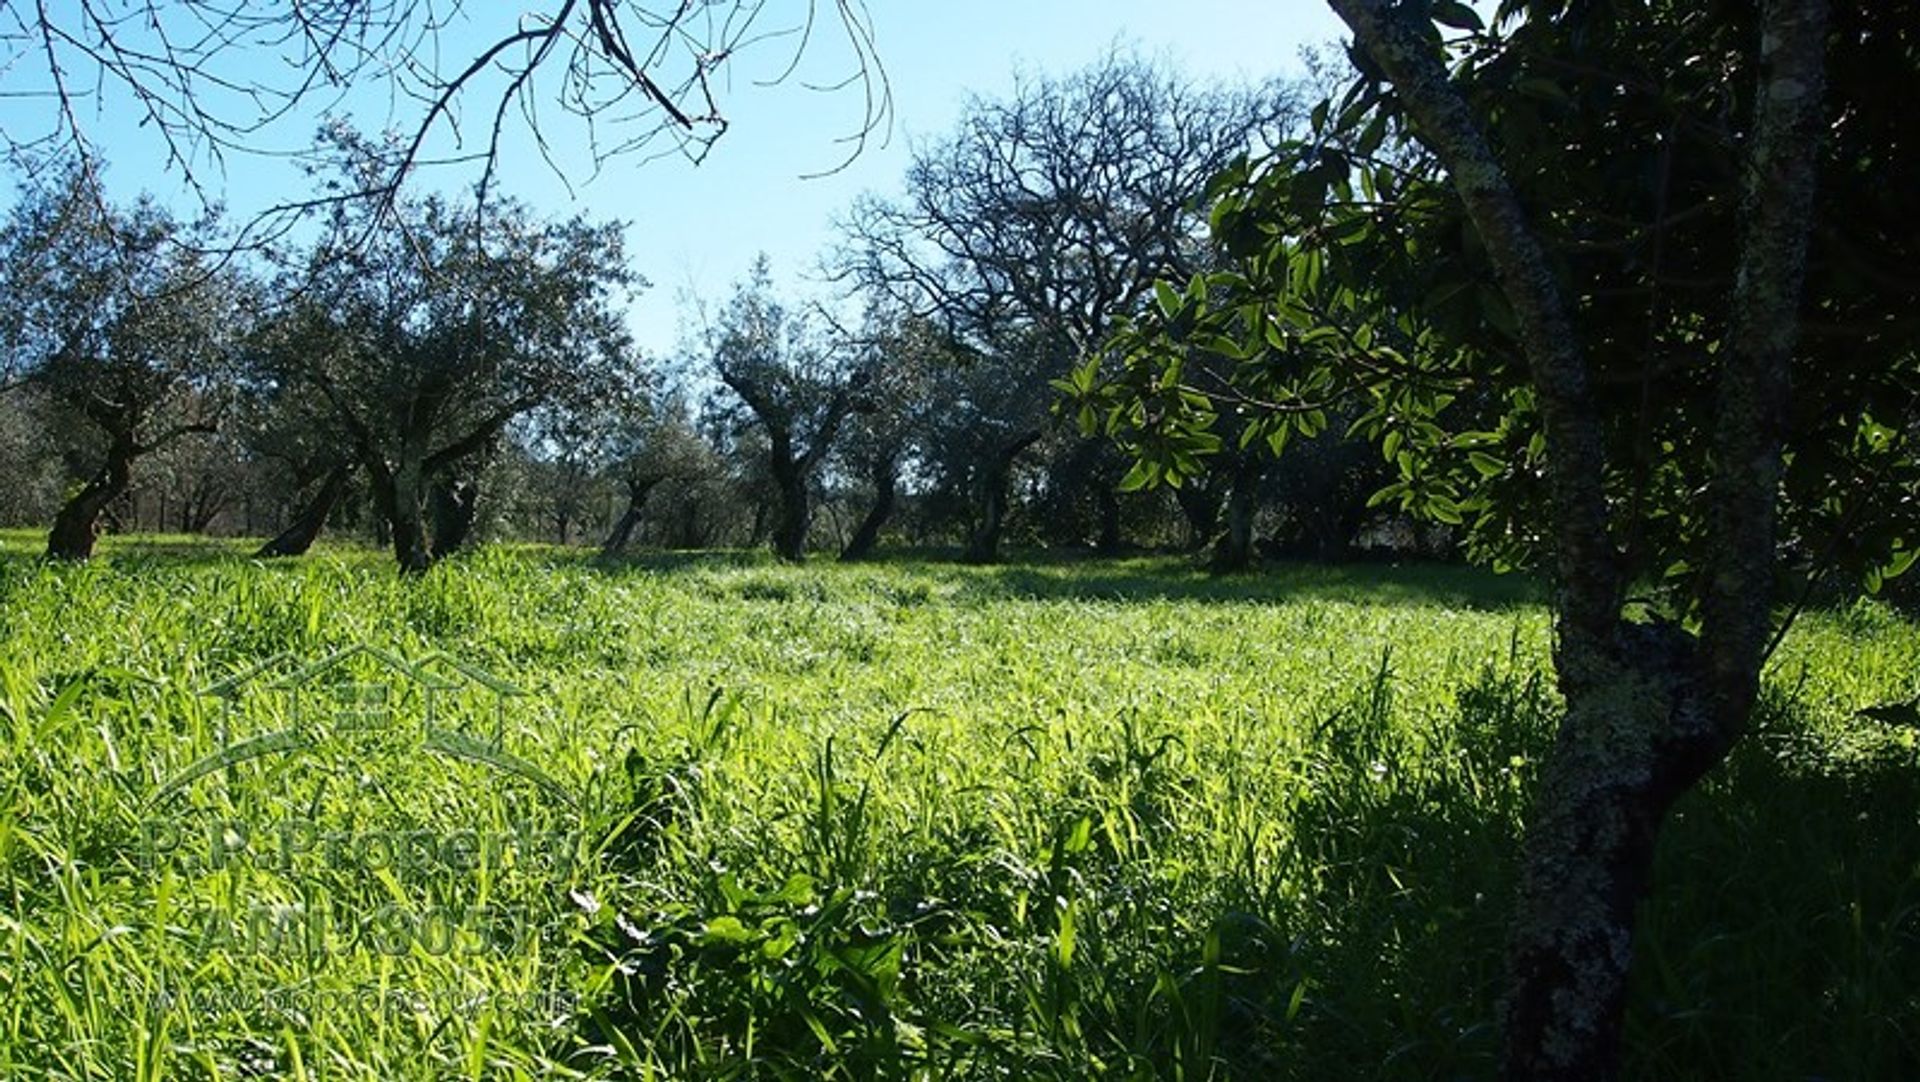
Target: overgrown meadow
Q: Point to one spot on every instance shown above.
(906, 820)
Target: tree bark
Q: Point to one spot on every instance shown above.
(983, 542)
(795, 513)
(77, 525)
(622, 532)
(451, 505)
(886, 483)
(401, 498)
(1234, 551)
(1650, 709)
(305, 528)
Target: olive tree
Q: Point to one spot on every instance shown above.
(797, 384)
(427, 341)
(126, 330)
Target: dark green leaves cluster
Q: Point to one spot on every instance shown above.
(1351, 284)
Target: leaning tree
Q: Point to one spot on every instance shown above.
(1637, 310)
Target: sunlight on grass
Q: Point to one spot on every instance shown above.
(910, 820)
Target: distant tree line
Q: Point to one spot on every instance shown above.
(429, 371)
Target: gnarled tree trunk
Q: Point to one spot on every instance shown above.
(401, 497)
(983, 542)
(886, 483)
(305, 528)
(794, 516)
(77, 525)
(451, 504)
(622, 533)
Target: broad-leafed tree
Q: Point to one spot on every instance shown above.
(1621, 292)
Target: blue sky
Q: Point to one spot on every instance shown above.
(696, 228)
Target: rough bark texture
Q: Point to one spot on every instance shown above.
(77, 525)
(1750, 411)
(886, 485)
(1587, 585)
(1650, 709)
(305, 528)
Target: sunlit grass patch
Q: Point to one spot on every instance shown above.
(907, 819)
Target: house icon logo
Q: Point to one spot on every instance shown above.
(436, 703)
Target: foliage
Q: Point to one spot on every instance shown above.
(1041, 219)
(1357, 283)
(426, 330)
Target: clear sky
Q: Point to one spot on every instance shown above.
(698, 227)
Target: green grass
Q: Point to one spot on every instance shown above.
(1054, 820)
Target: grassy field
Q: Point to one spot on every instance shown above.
(907, 820)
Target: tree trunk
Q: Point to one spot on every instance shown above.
(1638, 733)
(77, 525)
(886, 483)
(1649, 709)
(983, 543)
(300, 534)
(795, 512)
(1200, 506)
(402, 506)
(451, 503)
(1234, 552)
(622, 532)
(1111, 538)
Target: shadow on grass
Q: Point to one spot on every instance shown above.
(118, 550)
(1174, 579)
(1037, 575)
(1782, 939)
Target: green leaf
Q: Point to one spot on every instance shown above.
(725, 930)
(1166, 298)
(1488, 465)
(1898, 565)
(1444, 510)
(1457, 15)
(1137, 478)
